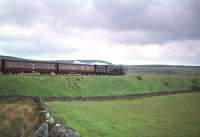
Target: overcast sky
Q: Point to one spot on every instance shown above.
(119, 31)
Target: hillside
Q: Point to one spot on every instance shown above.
(62, 61)
(168, 69)
(91, 85)
(11, 57)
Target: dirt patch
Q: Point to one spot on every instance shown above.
(18, 118)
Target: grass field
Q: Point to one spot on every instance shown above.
(164, 116)
(91, 85)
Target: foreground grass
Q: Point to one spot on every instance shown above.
(18, 119)
(164, 116)
(90, 85)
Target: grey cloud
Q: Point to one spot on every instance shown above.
(64, 13)
(184, 52)
(20, 12)
(151, 15)
(156, 21)
(32, 48)
(160, 21)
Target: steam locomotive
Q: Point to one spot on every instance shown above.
(11, 66)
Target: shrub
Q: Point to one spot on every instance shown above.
(195, 80)
(195, 87)
(139, 78)
(166, 83)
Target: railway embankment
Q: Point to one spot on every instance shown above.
(92, 85)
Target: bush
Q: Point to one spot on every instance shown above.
(195, 80)
(139, 78)
(195, 87)
(166, 83)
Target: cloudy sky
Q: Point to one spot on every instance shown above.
(119, 31)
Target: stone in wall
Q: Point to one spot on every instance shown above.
(49, 128)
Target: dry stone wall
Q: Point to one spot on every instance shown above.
(47, 126)
(50, 128)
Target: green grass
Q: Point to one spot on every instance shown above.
(164, 116)
(90, 85)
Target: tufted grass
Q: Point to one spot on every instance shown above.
(18, 119)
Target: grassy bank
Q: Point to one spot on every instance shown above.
(90, 85)
(174, 116)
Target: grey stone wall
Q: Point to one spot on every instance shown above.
(50, 128)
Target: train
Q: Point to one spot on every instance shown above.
(12, 66)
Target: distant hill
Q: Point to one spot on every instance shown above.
(12, 58)
(170, 69)
(91, 62)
